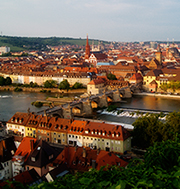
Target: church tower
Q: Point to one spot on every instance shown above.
(87, 53)
(159, 55)
(167, 51)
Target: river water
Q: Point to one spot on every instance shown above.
(12, 102)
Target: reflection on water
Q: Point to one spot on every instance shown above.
(12, 102)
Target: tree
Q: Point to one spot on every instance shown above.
(8, 81)
(111, 76)
(147, 129)
(77, 85)
(2, 81)
(64, 85)
(31, 84)
(50, 84)
(164, 87)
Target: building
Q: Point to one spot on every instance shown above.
(96, 86)
(4, 50)
(108, 137)
(7, 150)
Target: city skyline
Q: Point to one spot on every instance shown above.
(104, 20)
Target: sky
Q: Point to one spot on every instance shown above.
(110, 20)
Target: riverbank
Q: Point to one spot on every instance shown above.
(39, 89)
(157, 95)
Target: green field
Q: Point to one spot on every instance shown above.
(37, 43)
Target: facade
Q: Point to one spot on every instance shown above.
(17, 124)
(96, 86)
(20, 157)
(81, 133)
(4, 50)
(7, 150)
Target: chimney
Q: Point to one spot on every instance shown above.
(31, 145)
(94, 164)
(84, 152)
(98, 151)
(75, 148)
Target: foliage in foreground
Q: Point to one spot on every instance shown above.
(160, 169)
(150, 129)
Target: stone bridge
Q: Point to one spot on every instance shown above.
(84, 107)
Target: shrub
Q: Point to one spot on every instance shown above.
(17, 89)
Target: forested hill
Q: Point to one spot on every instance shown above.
(38, 43)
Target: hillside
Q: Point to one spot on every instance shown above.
(37, 43)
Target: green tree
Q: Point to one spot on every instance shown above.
(147, 129)
(2, 81)
(77, 85)
(8, 81)
(64, 85)
(50, 84)
(111, 76)
(164, 87)
(31, 84)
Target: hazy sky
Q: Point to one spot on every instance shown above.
(112, 20)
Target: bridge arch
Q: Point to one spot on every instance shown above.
(76, 110)
(94, 104)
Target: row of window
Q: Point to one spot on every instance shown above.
(72, 136)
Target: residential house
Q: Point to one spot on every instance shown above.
(27, 178)
(42, 154)
(136, 78)
(82, 159)
(107, 137)
(59, 130)
(7, 150)
(21, 155)
(75, 133)
(17, 124)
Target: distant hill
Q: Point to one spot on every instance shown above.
(37, 43)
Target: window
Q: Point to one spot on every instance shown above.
(70, 136)
(70, 142)
(54, 133)
(59, 136)
(27, 168)
(54, 139)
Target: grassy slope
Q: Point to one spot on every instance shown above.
(16, 43)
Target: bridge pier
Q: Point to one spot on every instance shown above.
(116, 96)
(87, 108)
(103, 101)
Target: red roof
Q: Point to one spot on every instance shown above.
(24, 148)
(96, 81)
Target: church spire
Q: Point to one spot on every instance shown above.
(87, 53)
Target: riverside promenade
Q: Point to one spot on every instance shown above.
(162, 95)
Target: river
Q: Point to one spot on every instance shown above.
(12, 102)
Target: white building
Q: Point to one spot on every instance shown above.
(4, 50)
